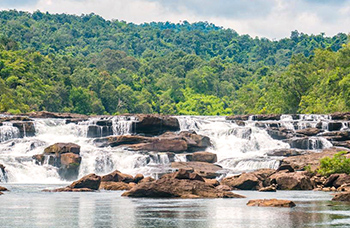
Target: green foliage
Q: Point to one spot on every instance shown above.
(88, 65)
(337, 164)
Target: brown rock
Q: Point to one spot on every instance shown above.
(3, 189)
(169, 186)
(115, 186)
(291, 181)
(244, 181)
(238, 117)
(138, 178)
(68, 189)
(345, 144)
(117, 176)
(344, 188)
(309, 131)
(61, 148)
(45, 114)
(223, 187)
(271, 203)
(202, 157)
(337, 180)
(286, 152)
(212, 182)
(270, 188)
(26, 128)
(91, 181)
(1, 193)
(344, 196)
(39, 159)
(204, 169)
(69, 166)
(155, 124)
(146, 179)
(341, 116)
(162, 145)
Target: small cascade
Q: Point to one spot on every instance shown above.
(122, 125)
(8, 132)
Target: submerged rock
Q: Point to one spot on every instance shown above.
(271, 203)
(181, 184)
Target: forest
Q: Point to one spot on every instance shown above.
(86, 64)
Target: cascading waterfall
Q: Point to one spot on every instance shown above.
(242, 147)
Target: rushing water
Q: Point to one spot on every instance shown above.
(27, 206)
(239, 148)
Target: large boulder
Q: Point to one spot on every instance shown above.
(116, 186)
(155, 124)
(263, 117)
(61, 148)
(194, 141)
(280, 133)
(271, 203)
(311, 160)
(291, 180)
(184, 185)
(64, 156)
(204, 169)
(336, 135)
(202, 157)
(161, 145)
(345, 144)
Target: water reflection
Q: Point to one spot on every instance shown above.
(26, 206)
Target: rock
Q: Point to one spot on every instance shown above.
(155, 124)
(39, 159)
(280, 133)
(240, 123)
(60, 148)
(286, 152)
(45, 114)
(117, 176)
(309, 131)
(116, 186)
(138, 178)
(244, 181)
(204, 169)
(26, 128)
(95, 131)
(263, 117)
(340, 116)
(271, 188)
(238, 117)
(345, 144)
(87, 183)
(291, 181)
(202, 157)
(146, 179)
(169, 186)
(118, 140)
(305, 143)
(91, 181)
(1, 193)
(343, 196)
(334, 126)
(337, 180)
(3, 189)
(212, 182)
(69, 167)
(271, 203)
(344, 188)
(223, 187)
(336, 135)
(194, 141)
(2, 170)
(161, 145)
(285, 167)
(310, 159)
(14, 118)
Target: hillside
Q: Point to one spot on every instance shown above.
(85, 64)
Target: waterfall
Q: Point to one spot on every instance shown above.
(239, 147)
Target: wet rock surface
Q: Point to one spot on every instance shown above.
(204, 169)
(155, 124)
(87, 183)
(271, 203)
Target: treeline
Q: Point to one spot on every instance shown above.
(89, 65)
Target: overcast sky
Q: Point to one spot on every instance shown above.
(273, 19)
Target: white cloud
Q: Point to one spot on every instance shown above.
(264, 18)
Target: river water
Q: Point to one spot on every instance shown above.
(27, 206)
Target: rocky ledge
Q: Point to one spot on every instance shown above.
(181, 184)
(87, 183)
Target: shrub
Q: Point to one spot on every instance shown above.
(337, 164)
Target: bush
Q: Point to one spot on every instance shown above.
(337, 164)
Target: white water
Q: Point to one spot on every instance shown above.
(239, 148)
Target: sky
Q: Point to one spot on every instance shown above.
(273, 19)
